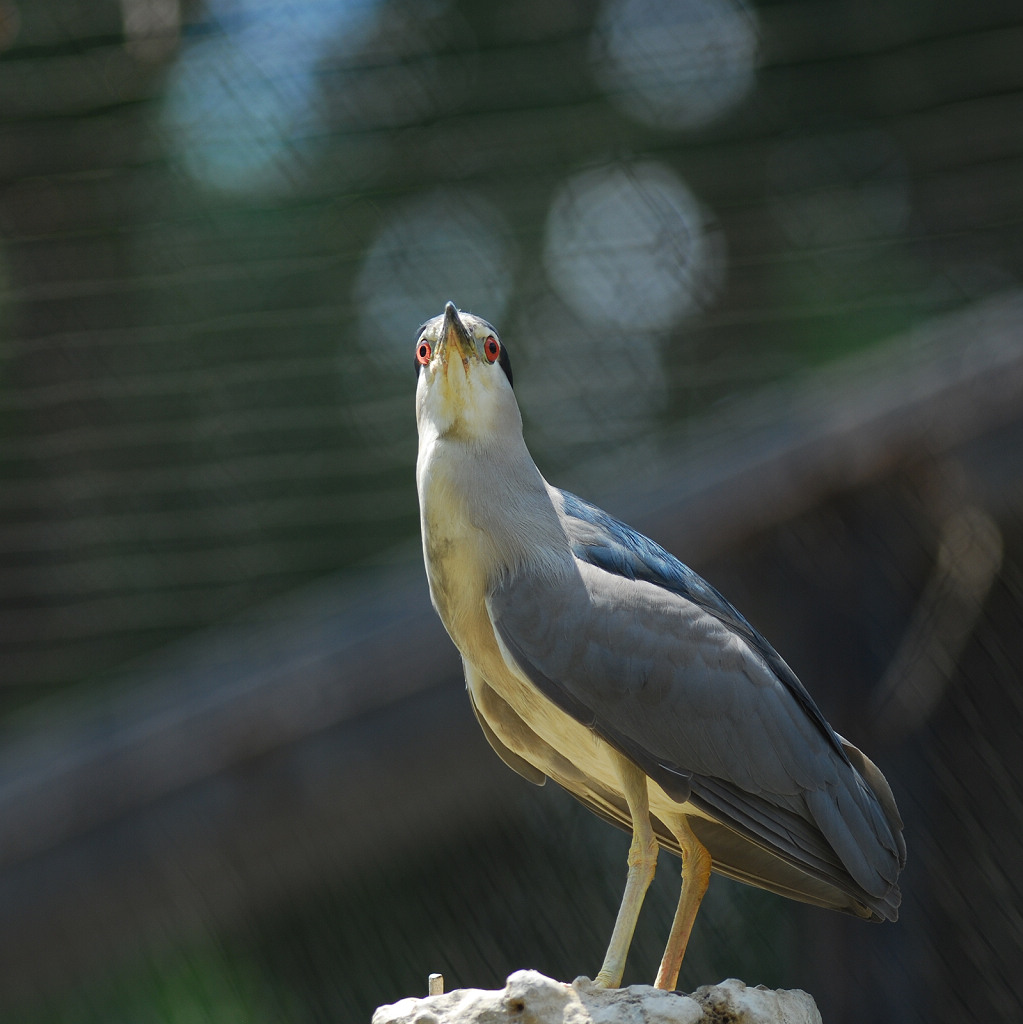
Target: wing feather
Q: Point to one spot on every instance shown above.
(603, 541)
(517, 764)
(635, 646)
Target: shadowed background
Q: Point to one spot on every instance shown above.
(757, 269)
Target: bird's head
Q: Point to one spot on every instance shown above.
(465, 379)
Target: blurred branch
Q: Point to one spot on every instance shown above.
(969, 558)
(763, 460)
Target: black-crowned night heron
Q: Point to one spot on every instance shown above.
(595, 658)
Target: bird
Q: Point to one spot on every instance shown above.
(595, 658)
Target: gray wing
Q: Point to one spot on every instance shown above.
(601, 540)
(697, 706)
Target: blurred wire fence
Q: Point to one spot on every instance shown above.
(220, 225)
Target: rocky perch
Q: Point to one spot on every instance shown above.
(531, 998)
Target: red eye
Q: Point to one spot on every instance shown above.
(423, 353)
(492, 347)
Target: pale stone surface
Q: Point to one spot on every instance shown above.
(733, 1000)
(531, 998)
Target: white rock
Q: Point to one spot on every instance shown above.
(733, 1000)
(531, 998)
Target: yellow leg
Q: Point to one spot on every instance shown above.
(695, 879)
(642, 864)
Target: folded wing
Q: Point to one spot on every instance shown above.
(641, 650)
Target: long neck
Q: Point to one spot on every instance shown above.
(486, 510)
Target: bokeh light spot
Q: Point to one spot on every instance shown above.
(242, 100)
(629, 246)
(448, 244)
(585, 390)
(675, 64)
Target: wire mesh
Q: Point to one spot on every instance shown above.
(221, 223)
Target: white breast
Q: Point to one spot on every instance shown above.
(480, 520)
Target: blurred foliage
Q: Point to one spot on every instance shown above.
(198, 984)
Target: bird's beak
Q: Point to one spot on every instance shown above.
(455, 339)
